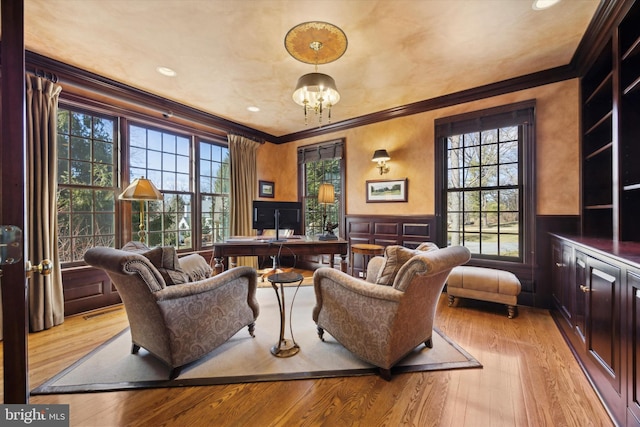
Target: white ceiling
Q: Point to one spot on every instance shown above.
(229, 54)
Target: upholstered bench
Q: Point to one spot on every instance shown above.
(486, 284)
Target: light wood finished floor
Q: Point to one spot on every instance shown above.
(530, 378)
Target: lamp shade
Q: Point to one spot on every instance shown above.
(141, 189)
(380, 156)
(315, 89)
(326, 193)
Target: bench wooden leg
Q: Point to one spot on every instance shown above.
(451, 300)
(512, 311)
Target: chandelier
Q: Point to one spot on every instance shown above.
(316, 43)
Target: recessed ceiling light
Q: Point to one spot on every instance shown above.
(253, 109)
(166, 71)
(544, 4)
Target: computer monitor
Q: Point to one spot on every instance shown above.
(276, 216)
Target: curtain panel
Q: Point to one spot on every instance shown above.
(244, 187)
(46, 298)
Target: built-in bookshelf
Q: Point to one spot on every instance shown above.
(629, 119)
(611, 136)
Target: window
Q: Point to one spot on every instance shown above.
(486, 181)
(214, 193)
(87, 182)
(164, 158)
(322, 163)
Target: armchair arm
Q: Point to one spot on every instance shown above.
(205, 285)
(331, 276)
(373, 268)
(170, 294)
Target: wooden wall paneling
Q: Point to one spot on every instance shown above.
(87, 289)
(386, 230)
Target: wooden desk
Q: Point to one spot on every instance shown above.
(257, 247)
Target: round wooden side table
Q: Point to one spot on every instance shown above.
(367, 250)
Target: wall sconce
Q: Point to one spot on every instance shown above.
(381, 156)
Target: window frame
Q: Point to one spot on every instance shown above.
(327, 150)
(114, 188)
(198, 200)
(161, 209)
(125, 228)
(521, 114)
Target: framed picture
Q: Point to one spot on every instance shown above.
(266, 189)
(387, 190)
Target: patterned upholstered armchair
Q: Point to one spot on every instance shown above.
(182, 322)
(383, 318)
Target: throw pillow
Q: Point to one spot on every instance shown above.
(395, 257)
(196, 267)
(165, 259)
(138, 247)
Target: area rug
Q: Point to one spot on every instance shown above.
(243, 359)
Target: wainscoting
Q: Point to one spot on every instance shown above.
(87, 288)
(407, 231)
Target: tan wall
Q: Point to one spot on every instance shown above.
(410, 143)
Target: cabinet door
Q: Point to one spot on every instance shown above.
(633, 286)
(603, 319)
(560, 279)
(581, 290)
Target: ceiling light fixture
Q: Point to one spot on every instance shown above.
(166, 71)
(544, 4)
(316, 43)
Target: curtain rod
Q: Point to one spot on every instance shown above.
(39, 72)
(253, 138)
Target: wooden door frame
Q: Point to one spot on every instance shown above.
(12, 190)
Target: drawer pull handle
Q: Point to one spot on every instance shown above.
(584, 289)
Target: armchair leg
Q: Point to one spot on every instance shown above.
(321, 333)
(429, 343)
(135, 348)
(252, 328)
(385, 374)
(174, 373)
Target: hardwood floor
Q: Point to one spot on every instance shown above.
(530, 378)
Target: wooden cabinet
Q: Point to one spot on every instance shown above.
(633, 352)
(563, 292)
(596, 286)
(581, 285)
(603, 318)
(610, 134)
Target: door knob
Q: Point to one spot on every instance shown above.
(44, 268)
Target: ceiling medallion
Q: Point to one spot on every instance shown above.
(316, 43)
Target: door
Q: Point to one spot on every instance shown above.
(12, 201)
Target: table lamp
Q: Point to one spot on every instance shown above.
(142, 190)
(326, 196)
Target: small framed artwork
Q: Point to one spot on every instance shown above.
(266, 189)
(387, 190)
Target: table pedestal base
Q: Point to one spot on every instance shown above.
(286, 348)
